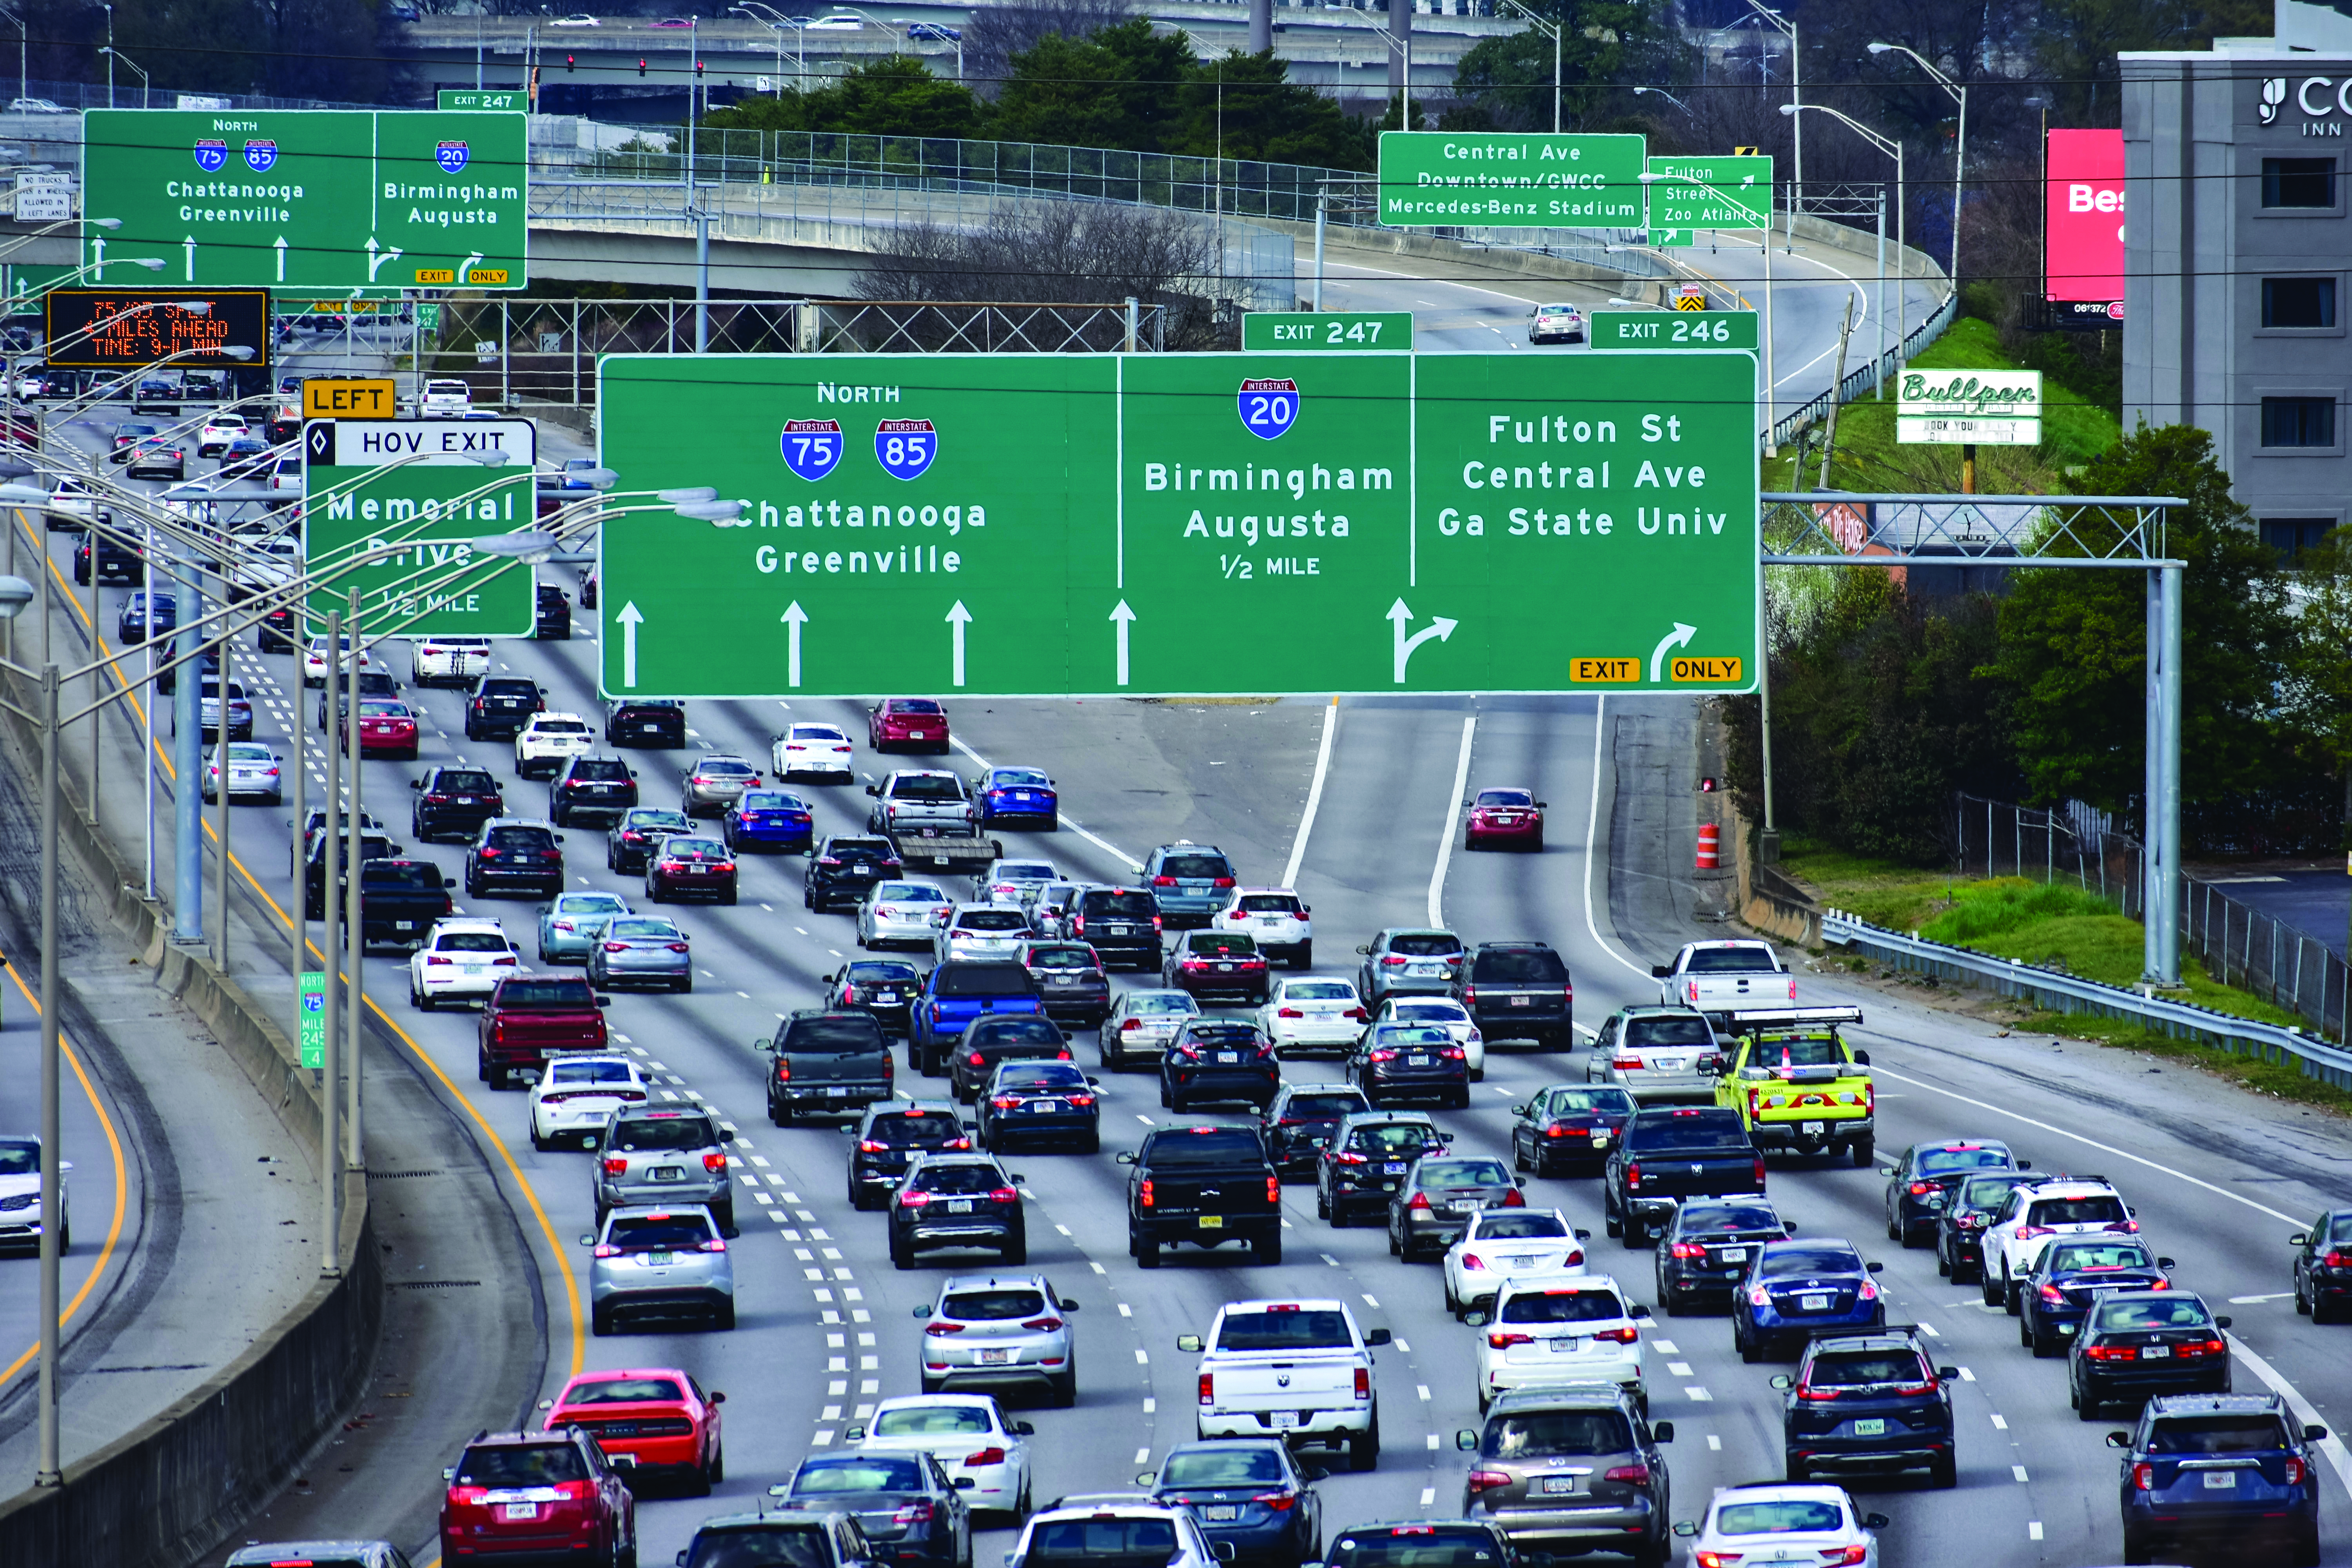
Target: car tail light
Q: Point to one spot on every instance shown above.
(1130, 1024)
(1515, 1199)
(1223, 882)
(1633, 1174)
(1624, 1336)
(1274, 1190)
(1005, 1101)
(1394, 958)
(2028, 1232)
(1850, 1554)
(1290, 1012)
(975, 1059)
(943, 1329)
(1280, 1502)
(2054, 1296)
(1003, 1196)
(1063, 1055)
(510, 958)
(1759, 1296)
(1759, 1173)
(1869, 1291)
(468, 1496)
(1082, 1101)
(1626, 1064)
(1350, 1158)
(1163, 881)
(2337, 1259)
(2129, 1227)
(1480, 1480)
(435, 961)
(1815, 1394)
(715, 1244)
(2111, 1352)
(1715, 1559)
(1632, 1475)
(2143, 1476)
(1921, 1189)
(1143, 1196)
(1036, 1325)
(1363, 1382)
(1503, 1339)
(2296, 1470)
(679, 946)
(1358, 1014)
(784, 1070)
(2204, 1347)
(617, 1166)
(1382, 1055)
(913, 1200)
(985, 1456)
(1472, 1261)
(1688, 1249)
(605, 1249)
(1420, 1201)
(1208, 1388)
(714, 1163)
(486, 853)
(919, 1512)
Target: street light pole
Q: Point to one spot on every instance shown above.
(1892, 148)
(48, 1471)
(330, 1139)
(356, 862)
(1959, 95)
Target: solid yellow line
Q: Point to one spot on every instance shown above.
(114, 1143)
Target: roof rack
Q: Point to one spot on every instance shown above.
(1751, 1020)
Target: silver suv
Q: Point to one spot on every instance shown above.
(993, 1331)
(924, 802)
(1658, 1055)
(670, 1158)
(656, 1261)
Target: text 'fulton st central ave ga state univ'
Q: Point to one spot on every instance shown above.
(1579, 464)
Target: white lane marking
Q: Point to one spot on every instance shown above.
(1142, 1357)
(2258, 1301)
(1592, 832)
(1433, 1439)
(2332, 1447)
(1422, 1389)
(1124, 1311)
(1062, 1228)
(2000, 1422)
(1929, 1330)
(1697, 1396)
(1428, 1496)
(1143, 1455)
(1678, 1369)
(1314, 796)
(1370, 1301)
(1329, 1259)
(830, 1412)
(1097, 1267)
(1100, 842)
(823, 1437)
(2019, 1472)
(1666, 1347)
(1967, 1376)
(1452, 816)
(1714, 1443)
(1150, 1406)
(1403, 1348)
(2033, 1530)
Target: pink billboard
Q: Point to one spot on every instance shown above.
(2083, 207)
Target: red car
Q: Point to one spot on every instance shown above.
(386, 729)
(1508, 818)
(907, 723)
(681, 867)
(533, 1496)
(658, 1418)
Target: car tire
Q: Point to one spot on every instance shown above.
(1147, 1253)
(2306, 1551)
(1267, 1251)
(600, 1322)
(1066, 1394)
(724, 1217)
(1750, 1352)
(902, 1256)
(723, 1319)
(2013, 1293)
(1364, 1452)
(1636, 1235)
(1987, 1286)
(1794, 1470)
(538, 1143)
(2085, 1401)
(1323, 1205)
(1943, 1263)
(1017, 1251)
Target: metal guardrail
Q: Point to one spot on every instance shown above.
(1868, 378)
(2071, 994)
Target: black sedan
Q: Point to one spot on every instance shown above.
(1039, 1102)
(1396, 1062)
(1250, 1496)
(1921, 1183)
(1433, 1206)
(645, 722)
(1960, 1224)
(1206, 964)
(2138, 1343)
(885, 987)
(1367, 1157)
(1704, 1248)
(957, 1201)
(2070, 1274)
(1301, 1120)
(1213, 1059)
(888, 1136)
(1071, 981)
(843, 866)
(1009, 1037)
(630, 842)
(686, 868)
(910, 1511)
(1569, 1124)
(2323, 1265)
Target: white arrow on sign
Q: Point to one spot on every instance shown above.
(1679, 638)
(958, 618)
(377, 261)
(630, 617)
(190, 246)
(1438, 628)
(1125, 617)
(467, 271)
(280, 248)
(97, 261)
(794, 618)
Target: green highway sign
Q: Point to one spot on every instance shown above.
(405, 488)
(334, 199)
(1510, 179)
(1709, 193)
(1682, 332)
(314, 1018)
(511, 101)
(1330, 331)
(1054, 525)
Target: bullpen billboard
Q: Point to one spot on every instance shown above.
(2083, 223)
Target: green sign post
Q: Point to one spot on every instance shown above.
(1328, 331)
(393, 491)
(314, 1018)
(1135, 524)
(1509, 179)
(511, 101)
(311, 198)
(1707, 193)
(1680, 331)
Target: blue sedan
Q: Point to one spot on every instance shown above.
(769, 819)
(567, 927)
(1794, 1291)
(1017, 795)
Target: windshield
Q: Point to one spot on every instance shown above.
(770, 1543)
(415, 874)
(960, 1177)
(2076, 1211)
(1286, 1329)
(907, 893)
(1987, 1193)
(643, 928)
(833, 1036)
(1024, 871)
(622, 1391)
(1322, 1107)
(1450, 1174)
(1220, 945)
(464, 779)
(1268, 904)
(1943, 1162)
(1161, 1002)
(1743, 1216)
(1806, 1053)
(982, 980)
(1318, 991)
(558, 727)
(914, 705)
(993, 1306)
(2177, 1312)
(674, 820)
(1541, 1434)
(2217, 1434)
(1520, 967)
(1668, 1029)
(927, 786)
(601, 769)
(1864, 1369)
(1429, 1011)
(1395, 1137)
(589, 1072)
(1233, 1466)
(591, 904)
(1041, 1075)
(1784, 1518)
(1573, 1102)
(1017, 778)
(1567, 1305)
(1059, 957)
(1732, 960)
(1790, 1262)
(871, 972)
(521, 838)
(826, 1478)
(991, 919)
(817, 732)
(2099, 1254)
(1431, 944)
(1195, 868)
(928, 1420)
(247, 751)
(649, 1133)
(992, 1033)
(19, 1157)
(914, 1129)
(521, 1464)
(860, 849)
(715, 768)
(1215, 1146)
(1126, 906)
(1519, 1227)
(694, 849)
(1102, 1539)
(1417, 1546)
(546, 993)
(1506, 798)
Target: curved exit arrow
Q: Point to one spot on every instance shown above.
(1679, 638)
(1399, 617)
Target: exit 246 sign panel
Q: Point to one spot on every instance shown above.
(1192, 524)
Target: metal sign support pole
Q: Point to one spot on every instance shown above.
(330, 858)
(354, 864)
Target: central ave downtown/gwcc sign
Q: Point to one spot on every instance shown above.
(1257, 523)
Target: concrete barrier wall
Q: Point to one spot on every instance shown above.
(162, 1493)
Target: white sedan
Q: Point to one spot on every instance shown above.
(218, 432)
(20, 1194)
(548, 741)
(1504, 1245)
(970, 1436)
(253, 770)
(1784, 1524)
(463, 959)
(578, 1091)
(813, 751)
(907, 912)
(1313, 1016)
(1442, 1012)
(314, 662)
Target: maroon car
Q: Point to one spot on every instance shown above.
(907, 723)
(1506, 819)
(386, 729)
(687, 867)
(537, 1497)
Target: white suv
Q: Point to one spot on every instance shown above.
(463, 959)
(548, 741)
(2062, 1206)
(1547, 1329)
(1277, 917)
(447, 661)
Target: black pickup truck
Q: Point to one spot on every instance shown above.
(400, 899)
(1206, 1185)
(1670, 1155)
(827, 1059)
(373, 846)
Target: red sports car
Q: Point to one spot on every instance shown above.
(1510, 818)
(686, 868)
(386, 729)
(907, 723)
(658, 1416)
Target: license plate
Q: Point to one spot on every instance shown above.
(885, 995)
(476, 971)
(2221, 1481)
(660, 1259)
(1269, 920)
(1522, 1001)
(1284, 1420)
(1733, 1254)
(996, 1358)
(1225, 969)
(1559, 1486)
(1394, 1168)
(1563, 1347)
(669, 1172)
(1815, 1129)
(1876, 1428)
(1046, 1106)
(1229, 1056)
(1812, 1304)
(465, 800)
(531, 1510)
(1213, 1222)
(1423, 970)
(2155, 1353)
(1416, 1061)
(958, 1206)
(1601, 1140)
(917, 735)
(1220, 1513)
(403, 925)
(836, 1092)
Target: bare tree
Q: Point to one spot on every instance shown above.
(997, 33)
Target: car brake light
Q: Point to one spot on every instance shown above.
(1851, 1554)
(1290, 1012)
(1503, 1339)
(1005, 1101)
(913, 1200)
(509, 958)
(1515, 1199)
(2143, 1476)
(1163, 881)
(714, 1245)
(463, 1496)
(1688, 1249)
(1279, 1503)
(1624, 1336)
(1633, 1174)
(1480, 1480)
(1143, 1196)
(714, 1163)
(1038, 1325)
(1003, 1196)
(1759, 1296)
(1921, 1189)
(617, 1166)
(433, 960)
(1208, 1388)
(1759, 1173)
(1363, 1382)
(1223, 882)
(1274, 1190)
(1632, 1475)
(918, 1512)
(1351, 1158)
(2338, 1260)
(2054, 1296)
(607, 1251)
(1869, 1291)
(2111, 1352)
(1082, 1101)
(1815, 1393)
(985, 1456)
(1420, 1201)
(869, 1146)
(943, 1329)
(1358, 1014)
(784, 1070)
(2028, 1232)
(1394, 958)
(2294, 1471)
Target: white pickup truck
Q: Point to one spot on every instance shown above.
(1299, 1370)
(1717, 977)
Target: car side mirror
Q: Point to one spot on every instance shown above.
(1875, 1522)
(965, 1484)
(854, 1435)
(417, 784)
(717, 1397)
(1862, 1058)
(2299, 1238)
(1638, 1310)
(1948, 1374)
(1313, 1473)
(1017, 1179)
(1788, 1227)
(1189, 1343)
(1664, 1432)
(587, 1241)
(1518, 1181)
(1123, 1158)
(1475, 1318)
(1583, 1235)
(1069, 1306)
(971, 1126)
(1223, 1549)
(681, 1558)
(1783, 1382)
(1874, 1267)
(922, 1312)
(2315, 1434)
(2025, 1164)
(1685, 1528)
(874, 790)
(1659, 970)
(449, 1474)
(726, 1135)
(1543, 806)
(1023, 1429)
(1365, 950)
(2221, 1322)
(1377, 1337)
(2164, 1263)
(604, 1001)
(759, 1043)
(1521, 1110)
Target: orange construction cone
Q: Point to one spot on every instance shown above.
(1710, 840)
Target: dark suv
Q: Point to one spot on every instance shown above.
(1015, 1037)
(1190, 882)
(512, 855)
(2323, 1265)
(500, 705)
(1121, 924)
(1925, 1176)
(1705, 1247)
(1960, 1222)
(552, 615)
(454, 799)
(1563, 1471)
(2213, 1470)
(645, 722)
(1519, 991)
(887, 1137)
(1070, 978)
(1301, 1120)
(1868, 1404)
(578, 1504)
(958, 1200)
(842, 868)
(599, 789)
